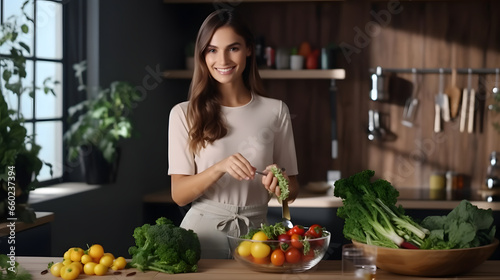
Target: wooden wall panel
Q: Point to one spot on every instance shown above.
(425, 34)
(451, 35)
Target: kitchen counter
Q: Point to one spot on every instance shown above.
(230, 269)
(408, 198)
(41, 219)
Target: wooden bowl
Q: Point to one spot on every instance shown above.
(430, 262)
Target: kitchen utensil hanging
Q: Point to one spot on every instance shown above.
(495, 90)
(472, 103)
(439, 105)
(445, 101)
(454, 94)
(411, 105)
(373, 133)
(378, 127)
(379, 91)
(466, 104)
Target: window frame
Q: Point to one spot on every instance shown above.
(34, 59)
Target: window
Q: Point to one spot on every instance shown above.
(43, 112)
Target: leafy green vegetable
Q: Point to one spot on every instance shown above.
(465, 226)
(165, 247)
(273, 231)
(282, 183)
(370, 213)
(11, 270)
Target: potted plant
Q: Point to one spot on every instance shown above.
(96, 127)
(19, 161)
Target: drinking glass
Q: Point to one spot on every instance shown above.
(359, 263)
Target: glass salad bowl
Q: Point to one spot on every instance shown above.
(279, 256)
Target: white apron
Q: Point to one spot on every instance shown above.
(213, 221)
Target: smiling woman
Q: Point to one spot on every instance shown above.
(223, 134)
(226, 59)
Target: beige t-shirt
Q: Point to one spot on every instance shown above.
(260, 130)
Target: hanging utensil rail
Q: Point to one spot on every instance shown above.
(436, 70)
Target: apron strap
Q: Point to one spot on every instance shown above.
(231, 214)
(233, 219)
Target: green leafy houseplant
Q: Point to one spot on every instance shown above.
(98, 124)
(11, 270)
(18, 151)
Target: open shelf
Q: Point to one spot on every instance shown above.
(247, 1)
(337, 74)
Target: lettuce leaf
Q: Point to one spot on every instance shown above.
(466, 226)
(282, 183)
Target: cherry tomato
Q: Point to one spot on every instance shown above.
(86, 259)
(69, 272)
(260, 236)
(298, 229)
(96, 251)
(55, 269)
(292, 255)
(89, 267)
(77, 265)
(76, 254)
(119, 263)
(107, 260)
(260, 250)
(244, 248)
(316, 243)
(109, 254)
(264, 260)
(315, 231)
(308, 257)
(278, 257)
(100, 269)
(67, 254)
(296, 241)
(284, 240)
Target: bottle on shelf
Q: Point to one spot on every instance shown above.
(493, 173)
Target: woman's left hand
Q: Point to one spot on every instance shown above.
(270, 182)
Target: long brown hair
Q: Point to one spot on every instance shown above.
(204, 110)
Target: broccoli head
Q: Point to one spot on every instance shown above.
(165, 247)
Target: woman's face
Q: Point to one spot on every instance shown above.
(226, 55)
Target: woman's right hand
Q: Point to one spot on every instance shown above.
(238, 167)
